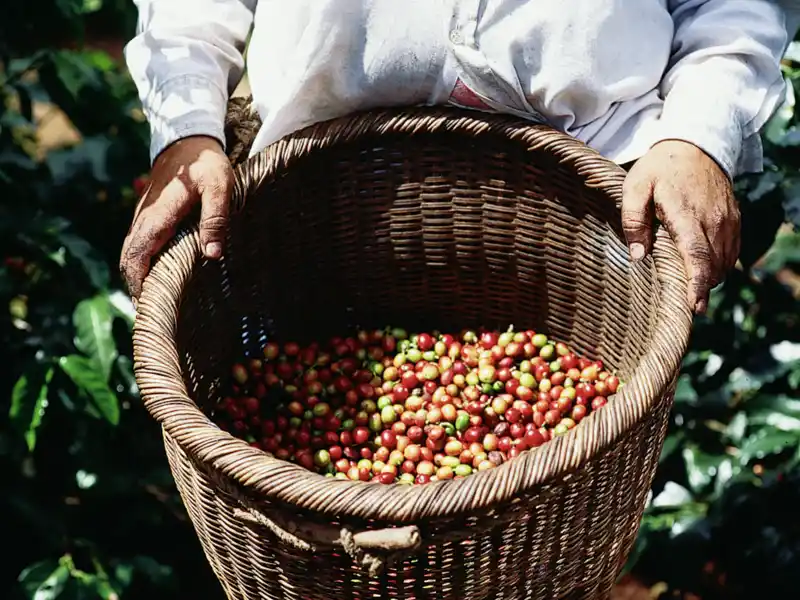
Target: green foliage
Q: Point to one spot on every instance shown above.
(29, 401)
(723, 499)
(88, 506)
(88, 501)
(734, 441)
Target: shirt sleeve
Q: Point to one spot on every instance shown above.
(724, 79)
(186, 59)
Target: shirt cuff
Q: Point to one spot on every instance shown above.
(703, 107)
(182, 107)
(712, 129)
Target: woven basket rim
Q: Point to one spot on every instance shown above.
(158, 371)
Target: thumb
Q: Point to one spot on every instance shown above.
(637, 214)
(214, 218)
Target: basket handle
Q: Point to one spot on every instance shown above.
(373, 549)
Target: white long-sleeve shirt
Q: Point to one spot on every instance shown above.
(620, 75)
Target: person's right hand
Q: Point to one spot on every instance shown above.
(191, 169)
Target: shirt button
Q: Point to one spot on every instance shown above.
(456, 37)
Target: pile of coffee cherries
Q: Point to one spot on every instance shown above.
(396, 408)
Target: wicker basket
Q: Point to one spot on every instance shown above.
(424, 217)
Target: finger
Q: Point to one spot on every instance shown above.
(737, 244)
(721, 225)
(698, 258)
(145, 244)
(126, 257)
(130, 266)
(123, 258)
(214, 211)
(145, 200)
(637, 214)
(731, 239)
(151, 231)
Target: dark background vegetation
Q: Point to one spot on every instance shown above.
(87, 504)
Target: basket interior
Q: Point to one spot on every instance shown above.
(438, 230)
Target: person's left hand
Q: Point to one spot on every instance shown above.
(693, 197)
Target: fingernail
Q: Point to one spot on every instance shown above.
(637, 251)
(700, 307)
(213, 250)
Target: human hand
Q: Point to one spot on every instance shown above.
(693, 197)
(191, 169)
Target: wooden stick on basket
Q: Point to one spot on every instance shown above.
(415, 217)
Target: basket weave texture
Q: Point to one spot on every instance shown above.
(434, 218)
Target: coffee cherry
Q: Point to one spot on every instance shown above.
(598, 403)
(380, 405)
(360, 435)
(388, 439)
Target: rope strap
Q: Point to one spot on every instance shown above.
(374, 550)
